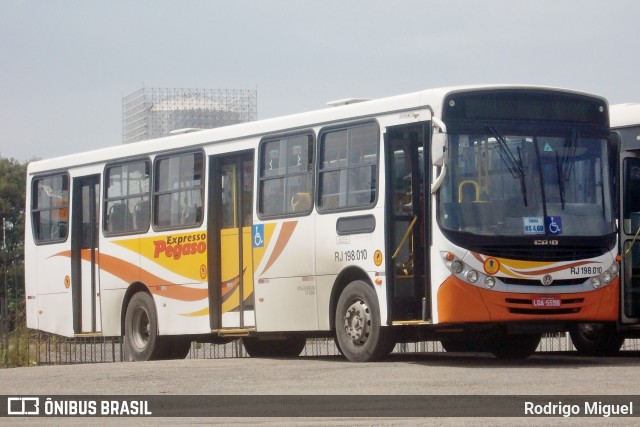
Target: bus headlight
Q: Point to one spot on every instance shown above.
(467, 273)
(456, 267)
(489, 282)
(606, 276)
(472, 276)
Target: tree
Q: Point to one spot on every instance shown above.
(13, 176)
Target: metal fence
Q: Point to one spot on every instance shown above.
(31, 348)
(20, 346)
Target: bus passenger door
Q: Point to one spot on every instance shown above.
(85, 286)
(231, 295)
(629, 236)
(407, 212)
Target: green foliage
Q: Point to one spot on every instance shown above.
(16, 347)
(13, 175)
(13, 332)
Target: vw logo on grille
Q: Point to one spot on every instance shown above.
(547, 280)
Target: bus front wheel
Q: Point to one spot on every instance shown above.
(596, 339)
(141, 339)
(360, 335)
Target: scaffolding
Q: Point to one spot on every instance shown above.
(154, 112)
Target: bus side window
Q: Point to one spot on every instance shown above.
(126, 193)
(50, 208)
(286, 176)
(178, 190)
(348, 167)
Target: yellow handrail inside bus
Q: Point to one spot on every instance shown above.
(404, 238)
(632, 243)
(468, 182)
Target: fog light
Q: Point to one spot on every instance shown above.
(489, 282)
(472, 276)
(595, 282)
(456, 267)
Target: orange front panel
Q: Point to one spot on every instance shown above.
(459, 302)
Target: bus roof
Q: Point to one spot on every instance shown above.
(430, 98)
(624, 115)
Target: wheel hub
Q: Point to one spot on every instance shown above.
(357, 322)
(141, 328)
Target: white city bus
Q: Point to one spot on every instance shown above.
(625, 126)
(480, 216)
(607, 338)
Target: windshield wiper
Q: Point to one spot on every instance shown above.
(514, 165)
(559, 167)
(564, 166)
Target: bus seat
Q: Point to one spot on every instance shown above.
(301, 202)
(117, 219)
(141, 215)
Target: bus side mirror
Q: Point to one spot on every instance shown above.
(438, 142)
(439, 151)
(438, 148)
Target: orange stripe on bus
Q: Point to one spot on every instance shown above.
(283, 238)
(131, 273)
(528, 268)
(551, 270)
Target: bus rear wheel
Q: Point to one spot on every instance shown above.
(360, 335)
(596, 339)
(176, 347)
(141, 339)
(289, 346)
(454, 342)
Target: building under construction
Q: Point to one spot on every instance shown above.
(154, 112)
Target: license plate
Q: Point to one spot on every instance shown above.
(546, 301)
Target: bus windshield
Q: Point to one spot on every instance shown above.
(527, 185)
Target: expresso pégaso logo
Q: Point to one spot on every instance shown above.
(178, 246)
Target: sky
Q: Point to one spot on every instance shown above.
(66, 65)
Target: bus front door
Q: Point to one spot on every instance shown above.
(231, 295)
(85, 286)
(408, 292)
(630, 237)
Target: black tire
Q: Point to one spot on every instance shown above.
(141, 339)
(516, 346)
(289, 346)
(454, 342)
(596, 339)
(177, 347)
(390, 346)
(360, 336)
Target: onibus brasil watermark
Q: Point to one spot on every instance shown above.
(35, 406)
(319, 406)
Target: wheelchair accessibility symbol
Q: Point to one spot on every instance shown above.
(258, 236)
(554, 224)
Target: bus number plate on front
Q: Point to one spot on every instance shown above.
(546, 301)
